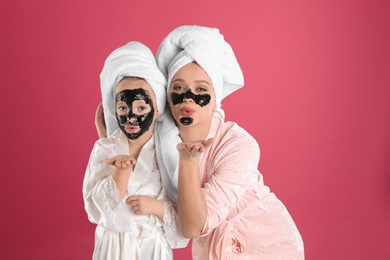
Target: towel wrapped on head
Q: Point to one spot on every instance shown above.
(131, 60)
(207, 47)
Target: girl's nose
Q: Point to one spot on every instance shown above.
(131, 119)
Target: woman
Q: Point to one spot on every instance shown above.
(222, 201)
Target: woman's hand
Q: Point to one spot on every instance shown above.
(145, 205)
(121, 161)
(100, 123)
(193, 150)
(192, 206)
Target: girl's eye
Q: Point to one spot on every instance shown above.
(142, 108)
(122, 108)
(201, 89)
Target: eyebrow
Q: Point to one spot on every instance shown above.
(196, 81)
(202, 81)
(140, 101)
(173, 81)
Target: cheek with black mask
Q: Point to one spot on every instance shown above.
(131, 118)
(200, 99)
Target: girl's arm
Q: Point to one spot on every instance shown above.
(123, 167)
(145, 205)
(101, 195)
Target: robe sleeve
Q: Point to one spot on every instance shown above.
(172, 225)
(235, 172)
(101, 196)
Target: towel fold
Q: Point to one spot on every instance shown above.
(131, 60)
(207, 47)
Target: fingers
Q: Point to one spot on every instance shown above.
(99, 110)
(132, 198)
(121, 161)
(184, 146)
(133, 161)
(110, 161)
(190, 148)
(134, 202)
(99, 122)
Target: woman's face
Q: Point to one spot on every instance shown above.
(191, 96)
(135, 107)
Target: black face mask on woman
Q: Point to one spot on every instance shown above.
(133, 121)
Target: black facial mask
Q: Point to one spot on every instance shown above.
(200, 99)
(186, 120)
(144, 121)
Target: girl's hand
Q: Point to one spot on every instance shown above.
(121, 161)
(193, 150)
(145, 205)
(99, 122)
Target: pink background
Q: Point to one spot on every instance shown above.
(316, 99)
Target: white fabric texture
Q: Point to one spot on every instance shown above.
(207, 47)
(131, 60)
(120, 233)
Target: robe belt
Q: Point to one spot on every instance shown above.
(140, 230)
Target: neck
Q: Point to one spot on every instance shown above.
(195, 133)
(135, 146)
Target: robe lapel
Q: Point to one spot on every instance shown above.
(144, 165)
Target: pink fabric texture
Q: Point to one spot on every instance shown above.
(245, 220)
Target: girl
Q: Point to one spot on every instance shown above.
(122, 188)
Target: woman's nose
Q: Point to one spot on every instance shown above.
(189, 96)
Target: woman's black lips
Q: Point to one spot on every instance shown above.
(143, 121)
(186, 120)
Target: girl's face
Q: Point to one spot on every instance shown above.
(191, 96)
(135, 107)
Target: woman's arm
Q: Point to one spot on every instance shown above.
(192, 206)
(100, 123)
(234, 173)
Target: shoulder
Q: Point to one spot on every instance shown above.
(232, 135)
(106, 145)
(103, 142)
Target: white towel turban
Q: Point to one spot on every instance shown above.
(207, 47)
(131, 60)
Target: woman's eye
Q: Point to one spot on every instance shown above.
(201, 89)
(142, 108)
(122, 108)
(177, 87)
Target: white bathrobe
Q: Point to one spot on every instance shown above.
(120, 234)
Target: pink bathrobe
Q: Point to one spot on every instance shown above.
(244, 220)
